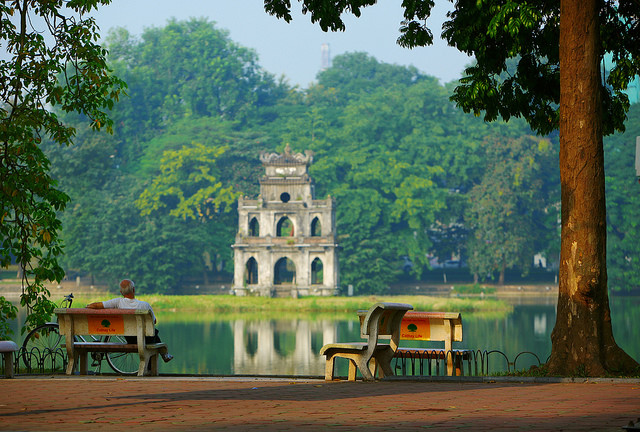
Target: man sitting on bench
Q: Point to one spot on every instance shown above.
(129, 301)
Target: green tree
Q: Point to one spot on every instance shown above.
(383, 160)
(188, 69)
(52, 65)
(623, 206)
(557, 85)
(188, 184)
(106, 175)
(507, 206)
(108, 240)
(354, 74)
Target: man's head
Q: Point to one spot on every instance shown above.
(127, 287)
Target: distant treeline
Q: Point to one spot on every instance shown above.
(413, 176)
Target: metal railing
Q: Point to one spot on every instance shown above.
(37, 361)
(433, 362)
(419, 363)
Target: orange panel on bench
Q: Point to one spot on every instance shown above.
(105, 324)
(415, 328)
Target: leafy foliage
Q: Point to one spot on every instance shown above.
(508, 204)
(187, 69)
(52, 60)
(189, 179)
(623, 205)
(152, 201)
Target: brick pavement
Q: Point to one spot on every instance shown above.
(237, 404)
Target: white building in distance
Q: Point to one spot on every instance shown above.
(286, 240)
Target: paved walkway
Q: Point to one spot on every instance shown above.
(237, 404)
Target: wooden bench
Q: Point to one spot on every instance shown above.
(109, 322)
(7, 348)
(382, 320)
(432, 326)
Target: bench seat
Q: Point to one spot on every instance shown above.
(7, 348)
(113, 346)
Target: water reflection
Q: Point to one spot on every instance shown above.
(540, 325)
(252, 345)
(280, 347)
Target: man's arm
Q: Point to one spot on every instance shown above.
(96, 305)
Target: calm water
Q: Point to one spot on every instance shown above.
(250, 346)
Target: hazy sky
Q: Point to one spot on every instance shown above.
(293, 49)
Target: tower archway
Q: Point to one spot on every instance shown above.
(284, 272)
(251, 272)
(254, 227)
(284, 228)
(316, 227)
(317, 273)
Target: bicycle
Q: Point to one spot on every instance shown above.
(44, 344)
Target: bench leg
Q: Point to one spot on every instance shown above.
(84, 362)
(328, 368)
(383, 362)
(352, 370)
(71, 363)
(356, 361)
(374, 369)
(363, 365)
(142, 366)
(153, 363)
(8, 364)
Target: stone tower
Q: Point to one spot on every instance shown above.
(286, 240)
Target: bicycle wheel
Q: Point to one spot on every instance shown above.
(122, 363)
(44, 348)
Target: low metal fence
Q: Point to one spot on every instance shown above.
(40, 361)
(420, 363)
(428, 362)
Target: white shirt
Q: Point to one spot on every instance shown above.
(127, 303)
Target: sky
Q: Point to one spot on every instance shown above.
(293, 49)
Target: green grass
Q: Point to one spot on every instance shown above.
(473, 289)
(228, 304)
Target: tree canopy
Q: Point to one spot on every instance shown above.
(52, 60)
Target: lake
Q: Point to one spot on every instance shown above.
(249, 345)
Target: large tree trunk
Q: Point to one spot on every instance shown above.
(582, 340)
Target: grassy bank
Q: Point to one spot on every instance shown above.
(231, 304)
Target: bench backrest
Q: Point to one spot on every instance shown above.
(425, 326)
(106, 322)
(432, 326)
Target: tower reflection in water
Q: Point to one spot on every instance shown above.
(281, 347)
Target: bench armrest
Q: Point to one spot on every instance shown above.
(384, 319)
(377, 309)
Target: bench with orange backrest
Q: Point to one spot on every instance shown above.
(381, 321)
(432, 326)
(109, 322)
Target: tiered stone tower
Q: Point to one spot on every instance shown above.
(286, 241)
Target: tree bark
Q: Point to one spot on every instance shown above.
(582, 339)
